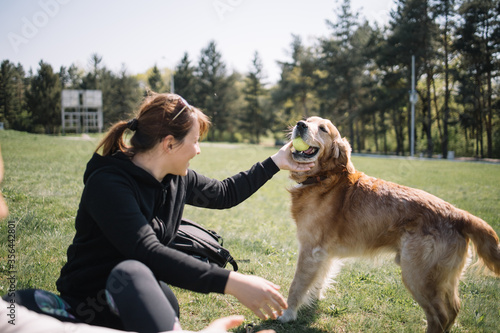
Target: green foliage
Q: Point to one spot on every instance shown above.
(155, 80)
(255, 118)
(43, 183)
(185, 80)
(13, 110)
(343, 54)
(213, 87)
(358, 76)
(121, 96)
(295, 93)
(43, 99)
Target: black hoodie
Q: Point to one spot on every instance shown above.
(125, 213)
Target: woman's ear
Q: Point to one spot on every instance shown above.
(168, 143)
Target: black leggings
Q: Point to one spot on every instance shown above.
(142, 303)
(134, 300)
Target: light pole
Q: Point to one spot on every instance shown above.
(413, 101)
(172, 89)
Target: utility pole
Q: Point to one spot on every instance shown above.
(413, 101)
(172, 89)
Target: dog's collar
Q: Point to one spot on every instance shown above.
(313, 180)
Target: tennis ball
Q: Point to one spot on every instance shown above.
(299, 144)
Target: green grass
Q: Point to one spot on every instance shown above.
(43, 183)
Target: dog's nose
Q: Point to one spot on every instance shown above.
(301, 124)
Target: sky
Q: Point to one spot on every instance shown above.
(139, 34)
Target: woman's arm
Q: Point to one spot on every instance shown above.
(211, 193)
(206, 192)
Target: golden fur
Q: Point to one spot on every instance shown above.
(345, 213)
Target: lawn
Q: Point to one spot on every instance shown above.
(43, 183)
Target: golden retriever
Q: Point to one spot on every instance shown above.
(341, 212)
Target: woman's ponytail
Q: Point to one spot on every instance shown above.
(113, 141)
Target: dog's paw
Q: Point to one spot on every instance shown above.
(288, 315)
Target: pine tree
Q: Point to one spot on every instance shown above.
(13, 111)
(343, 62)
(185, 80)
(93, 78)
(121, 95)
(413, 32)
(255, 119)
(296, 93)
(212, 90)
(155, 80)
(478, 45)
(44, 98)
(444, 10)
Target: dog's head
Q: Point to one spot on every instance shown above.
(330, 152)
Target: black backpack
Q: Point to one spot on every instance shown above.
(203, 244)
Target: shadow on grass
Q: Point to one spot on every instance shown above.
(307, 316)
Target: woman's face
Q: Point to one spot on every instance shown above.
(183, 153)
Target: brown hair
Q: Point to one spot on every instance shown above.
(159, 115)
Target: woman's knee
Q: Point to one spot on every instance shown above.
(128, 273)
(136, 296)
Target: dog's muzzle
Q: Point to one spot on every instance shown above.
(301, 130)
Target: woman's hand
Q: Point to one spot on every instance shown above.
(223, 324)
(284, 161)
(257, 294)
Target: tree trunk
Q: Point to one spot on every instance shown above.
(488, 120)
(446, 113)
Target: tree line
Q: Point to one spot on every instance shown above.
(358, 76)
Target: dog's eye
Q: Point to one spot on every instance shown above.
(323, 129)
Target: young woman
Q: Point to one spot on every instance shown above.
(37, 322)
(119, 265)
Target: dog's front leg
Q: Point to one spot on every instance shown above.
(310, 266)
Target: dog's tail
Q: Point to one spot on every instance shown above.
(485, 241)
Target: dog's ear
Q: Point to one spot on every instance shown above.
(335, 150)
(342, 154)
